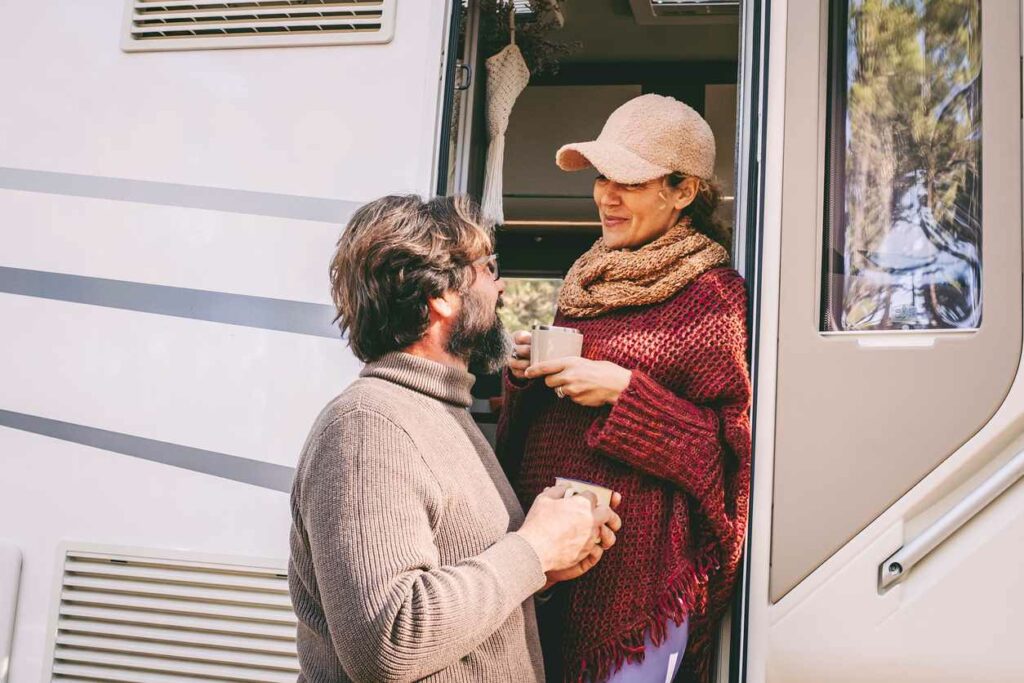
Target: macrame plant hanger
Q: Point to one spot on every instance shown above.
(507, 77)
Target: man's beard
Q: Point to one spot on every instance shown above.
(479, 338)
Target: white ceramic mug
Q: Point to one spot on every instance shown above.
(604, 495)
(549, 342)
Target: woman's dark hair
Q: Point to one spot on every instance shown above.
(702, 210)
(396, 253)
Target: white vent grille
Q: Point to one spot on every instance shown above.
(143, 619)
(207, 24)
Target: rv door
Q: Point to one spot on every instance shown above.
(887, 511)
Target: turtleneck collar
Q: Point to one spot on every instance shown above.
(442, 382)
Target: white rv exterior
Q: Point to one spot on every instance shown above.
(158, 399)
(166, 219)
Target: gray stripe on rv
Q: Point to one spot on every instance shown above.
(282, 315)
(174, 194)
(256, 472)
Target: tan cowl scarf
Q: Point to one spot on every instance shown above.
(605, 279)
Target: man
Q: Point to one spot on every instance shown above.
(410, 555)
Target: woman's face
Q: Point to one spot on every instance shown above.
(634, 215)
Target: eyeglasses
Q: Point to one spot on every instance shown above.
(491, 261)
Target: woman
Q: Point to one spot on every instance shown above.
(656, 409)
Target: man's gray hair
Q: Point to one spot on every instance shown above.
(396, 253)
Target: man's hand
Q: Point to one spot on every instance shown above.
(561, 530)
(520, 354)
(607, 540)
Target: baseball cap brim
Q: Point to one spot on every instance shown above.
(612, 161)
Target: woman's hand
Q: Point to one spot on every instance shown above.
(520, 354)
(591, 383)
(607, 540)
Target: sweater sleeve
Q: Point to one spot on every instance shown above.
(370, 506)
(661, 434)
(696, 443)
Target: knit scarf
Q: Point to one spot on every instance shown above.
(605, 279)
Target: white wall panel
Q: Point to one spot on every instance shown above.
(349, 122)
(10, 582)
(720, 112)
(165, 245)
(346, 123)
(71, 492)
(236, 390)
(955, 618)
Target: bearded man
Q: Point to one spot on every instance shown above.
(410, 556)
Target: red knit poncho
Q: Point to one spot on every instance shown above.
(676, 446)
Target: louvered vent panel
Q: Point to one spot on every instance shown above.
(124, 618)
(204, 24)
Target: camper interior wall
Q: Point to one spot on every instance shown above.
(613, 57)
(168, 218)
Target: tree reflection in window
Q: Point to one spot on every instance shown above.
(903, 248)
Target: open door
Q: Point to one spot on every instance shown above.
(888, 411)
(708, 59)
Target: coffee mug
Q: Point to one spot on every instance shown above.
(549, 342)
(604, 495)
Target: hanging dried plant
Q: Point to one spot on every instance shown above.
(541, 53)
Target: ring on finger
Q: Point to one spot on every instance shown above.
(559, 392)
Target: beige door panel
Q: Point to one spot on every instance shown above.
(863, 416)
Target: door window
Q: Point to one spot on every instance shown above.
(903, 220)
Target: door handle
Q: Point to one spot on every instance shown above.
(899, 564)
(463, 76)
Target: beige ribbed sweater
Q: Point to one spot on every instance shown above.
(403, 561)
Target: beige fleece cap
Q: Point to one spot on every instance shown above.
(648, 137)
